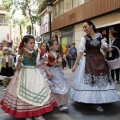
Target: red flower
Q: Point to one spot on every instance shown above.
(42, 53)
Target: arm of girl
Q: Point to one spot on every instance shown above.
(19, 64)
(59, 64)
(50, 76)
(42, 62)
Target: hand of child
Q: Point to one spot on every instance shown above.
(74, 68)
(50, 76)
(40, 60)
(20, 59)
(55, 64)
(45, 59)
(13, 65)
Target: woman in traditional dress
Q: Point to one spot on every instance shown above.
(92, 83)
(28, 96)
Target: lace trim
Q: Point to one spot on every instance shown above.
(100, 81)
(95, 42)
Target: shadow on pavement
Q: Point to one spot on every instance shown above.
(87, 109)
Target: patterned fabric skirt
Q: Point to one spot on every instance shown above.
(42, 71)
(61, 99)
(59, 83)
(18, 108)
(101, 92)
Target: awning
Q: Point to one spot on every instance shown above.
(108, 24)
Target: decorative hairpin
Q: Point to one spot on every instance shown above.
(48, 44)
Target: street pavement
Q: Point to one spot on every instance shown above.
(76, 111)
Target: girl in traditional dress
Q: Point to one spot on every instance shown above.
(41, 54)
(28, 96)
(7, 64)
(57, 81)
(92, 83)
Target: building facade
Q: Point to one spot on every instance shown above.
(68, 17)
(5, 29)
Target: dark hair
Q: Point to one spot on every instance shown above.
(73, 43)
(25, 39)
(55, 36)
(114, 33)
(41, 44)
(49, 44)
(90, 23)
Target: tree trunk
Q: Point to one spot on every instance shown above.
(32, 28)
(20, 32)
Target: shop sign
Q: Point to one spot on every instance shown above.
(46, 37)
(44, 28)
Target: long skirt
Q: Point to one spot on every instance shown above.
(102, 92)
(58, 85)
(17, 107)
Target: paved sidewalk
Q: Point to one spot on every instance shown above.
(55, 115)
(76, 111)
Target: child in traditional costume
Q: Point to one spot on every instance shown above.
(28, 96)
(56, 80)
(41, 55)
(7, 64)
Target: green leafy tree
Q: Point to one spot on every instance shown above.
(22, 23)
(30, 9)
